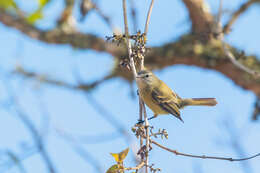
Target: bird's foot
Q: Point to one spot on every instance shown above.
(140, 122)
(151, 117)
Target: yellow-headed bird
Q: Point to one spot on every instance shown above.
(161, 99)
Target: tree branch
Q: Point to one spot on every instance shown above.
(55, 36)
(135, 168)
(200, 16)
(202, 156)
(236, 14)
(187, 50)
(148, 17)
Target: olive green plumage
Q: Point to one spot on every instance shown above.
(161, 99)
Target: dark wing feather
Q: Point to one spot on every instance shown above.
(167, 103)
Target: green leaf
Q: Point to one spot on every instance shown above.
(32, 18)
(119, 157)
(7, 4)
(42, 3)
(115, 169)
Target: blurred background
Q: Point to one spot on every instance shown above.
(64, 106)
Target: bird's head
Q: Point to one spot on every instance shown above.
(145, 76)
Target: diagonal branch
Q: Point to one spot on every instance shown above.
(31, 127)
(236, 15)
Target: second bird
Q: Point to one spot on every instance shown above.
(161, 99)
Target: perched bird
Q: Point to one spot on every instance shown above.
(161, 99)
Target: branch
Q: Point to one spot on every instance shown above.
(31, 127)
(203, 156)
(220, 36)
(135, 168)
(55, 36)
(236, 14)
(200, 16)
(148, 17)
(82, 152)
(183, 51)
(102, 111)
(238, 64)
(44, 79)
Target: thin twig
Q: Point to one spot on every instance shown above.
(227, 51)
(31, 127)
(203, 156)
(237, 13)
(148, 17)
(132, 64)
(82, 152)
(238, 64)
(147, 138)
(140, 118)
(134, 15)
(129, 47)
(135, 168)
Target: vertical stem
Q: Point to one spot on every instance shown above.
(147, 138)
(129, 48)
(148, 17)
(141, 118)
(132, 64)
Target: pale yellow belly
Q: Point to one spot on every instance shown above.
(148, 100)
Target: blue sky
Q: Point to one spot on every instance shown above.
(202, 133)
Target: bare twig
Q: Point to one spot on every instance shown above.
(132, 64)
(236, 144)
(31, 127)
(237, 13)
(7, 165)
(84, 87)
(227, 51)
(129, 47)
(202, 156)
(82, 152)
(43, 78)
(237, 63)
(140, 118)
(92, 139)
(134, 15)
(148, 17)
(147, 138)
(135, 168)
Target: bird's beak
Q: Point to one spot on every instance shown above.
(138, 77)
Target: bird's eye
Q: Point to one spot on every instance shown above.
(147, 75)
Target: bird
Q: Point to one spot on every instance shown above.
(161, 99)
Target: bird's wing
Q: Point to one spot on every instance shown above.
(168, 103)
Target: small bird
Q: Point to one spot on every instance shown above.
(161, 99)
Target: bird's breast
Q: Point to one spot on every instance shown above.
(146, 95)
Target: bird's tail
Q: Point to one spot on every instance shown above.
(198, 102)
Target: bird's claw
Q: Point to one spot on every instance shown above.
(140, 122)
